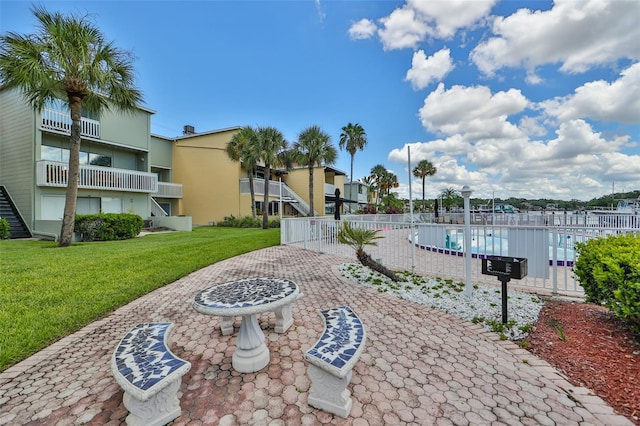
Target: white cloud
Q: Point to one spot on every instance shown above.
(599, 100)
(578, 34)
(405, 27)
(532, 127)
(320, 10)
(425, 70)
(402, 29)
(574, 164)
(449, 16)
(473, 111)
(363, 29)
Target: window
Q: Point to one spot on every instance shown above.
(52, 207)
(99, 160)
(273, 207)
(52, 153)
(111, 205)
(88, 205)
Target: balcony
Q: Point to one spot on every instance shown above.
(60, 121)
(55, 174)
(169, 190)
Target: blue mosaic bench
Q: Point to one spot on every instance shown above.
(149, 373)
(332, 358)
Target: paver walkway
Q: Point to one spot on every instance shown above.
(419, 367)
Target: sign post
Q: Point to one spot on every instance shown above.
(505, 268)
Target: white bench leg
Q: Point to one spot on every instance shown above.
(328, 392)
(158, 410)
(284, 319)
(226, 325)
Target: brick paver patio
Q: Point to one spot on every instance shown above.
(419, 367)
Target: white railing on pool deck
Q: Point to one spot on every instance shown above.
(550, 250)
(55, 174)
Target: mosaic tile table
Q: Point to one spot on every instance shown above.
(248, 298)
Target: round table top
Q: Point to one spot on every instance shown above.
(246, 297)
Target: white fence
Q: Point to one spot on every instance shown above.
(437, 250)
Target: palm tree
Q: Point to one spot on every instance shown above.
(448, 196)
(353, 138)
(242, 147)
(377, 174)
(68, 59)
(357, 238)
(386, 181)
(271, 148)
(314, 148)
(422, 170)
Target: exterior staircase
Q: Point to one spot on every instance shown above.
(17, 226)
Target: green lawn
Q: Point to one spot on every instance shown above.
(47, 292)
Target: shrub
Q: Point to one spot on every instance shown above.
(609, 271)
(369, 209)
(108, 226)
(393, 210)
(4, 229)
(246, 222)
(275, 223)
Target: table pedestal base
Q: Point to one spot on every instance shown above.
(251, 352)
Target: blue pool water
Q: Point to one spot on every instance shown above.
(490, 244)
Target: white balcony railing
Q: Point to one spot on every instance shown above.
(169, 190)
(55, 174)
(60, 121)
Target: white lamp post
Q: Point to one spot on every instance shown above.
(466, 194)
(280, 199)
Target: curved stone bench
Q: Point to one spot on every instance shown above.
(149, 374)
(332, 358)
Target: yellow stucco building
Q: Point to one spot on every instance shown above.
(214, 186)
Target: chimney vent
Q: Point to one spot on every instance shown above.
(188, 130)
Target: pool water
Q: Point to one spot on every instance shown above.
(491, 244)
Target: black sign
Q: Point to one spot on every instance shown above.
(505, 267)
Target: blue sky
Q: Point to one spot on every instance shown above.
(531, 99)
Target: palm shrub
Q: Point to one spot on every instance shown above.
(357, 238)
(609, 271)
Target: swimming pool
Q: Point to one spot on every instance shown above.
(497, 243)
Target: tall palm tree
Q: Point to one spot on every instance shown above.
(353, 138)
(314, 148)
(68, 59)
(242, 147)
(377, 174)
(272, 150)
(422, 170)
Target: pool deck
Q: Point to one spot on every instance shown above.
(419, 367)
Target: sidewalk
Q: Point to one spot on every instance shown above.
(419, 367)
